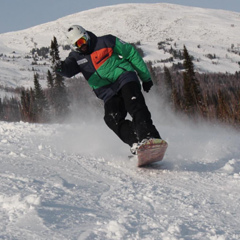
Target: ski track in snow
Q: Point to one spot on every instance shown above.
(50, 188)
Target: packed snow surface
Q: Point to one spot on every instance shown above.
(75, 181)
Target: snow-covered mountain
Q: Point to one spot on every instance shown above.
(211, 36)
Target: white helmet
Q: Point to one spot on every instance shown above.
(74, 33)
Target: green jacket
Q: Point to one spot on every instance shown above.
(107, 59)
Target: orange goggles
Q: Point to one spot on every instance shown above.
(81, 41)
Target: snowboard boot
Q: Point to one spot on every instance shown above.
(134, 148)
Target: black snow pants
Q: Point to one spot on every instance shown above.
(130, 100)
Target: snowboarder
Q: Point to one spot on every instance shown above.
(112, 68)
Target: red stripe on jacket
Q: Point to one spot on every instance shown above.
(100, 56)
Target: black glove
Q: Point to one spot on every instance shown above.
(147, 85)
(58, 66)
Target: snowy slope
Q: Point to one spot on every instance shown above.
(203, 31)
(75, 181)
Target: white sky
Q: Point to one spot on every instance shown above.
(20, 14)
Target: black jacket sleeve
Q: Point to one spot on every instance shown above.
(69, 67)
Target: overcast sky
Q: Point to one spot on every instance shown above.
(21, 14)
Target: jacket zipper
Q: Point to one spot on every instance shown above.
(103, 58)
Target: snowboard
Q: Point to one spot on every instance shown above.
(151, 151)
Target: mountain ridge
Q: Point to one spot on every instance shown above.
(203, 31)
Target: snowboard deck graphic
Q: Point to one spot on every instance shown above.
(151, 151)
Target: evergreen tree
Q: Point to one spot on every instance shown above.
(50, 92)
(11, 109)
(50, 79)
(59, 93)
(168, 92)
(176, 98)
(222, 112)
(189, 101)
(192, 92)
(24, 107)
(28, 107)
(41, 103)
(54, 50)
(167, 78)
(32, 105)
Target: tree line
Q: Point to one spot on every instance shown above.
(211, 96)
(38, 105)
